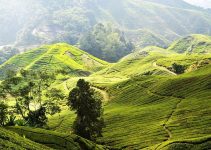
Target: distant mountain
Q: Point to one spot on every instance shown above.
(144, 22)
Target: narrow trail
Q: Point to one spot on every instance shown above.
(166, 122)
(154, 64)
(164, 125)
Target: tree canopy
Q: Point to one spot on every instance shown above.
(89, 121)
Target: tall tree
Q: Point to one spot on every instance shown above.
(89, 121)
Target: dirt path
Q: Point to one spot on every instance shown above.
(168, 117)
(154, 64)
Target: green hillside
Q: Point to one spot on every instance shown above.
(56, 140)
(192, 44)
(55, 57)
(154, 61)
(11, 140)
(22, 138)
(149, 106)
(155, 112)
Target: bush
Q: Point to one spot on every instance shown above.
(178, 69)
(3, 113)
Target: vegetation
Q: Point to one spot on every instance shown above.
(106, 42)
(192, 44)
(3, 113)
(178, 69)
(28, 90)
(145, 23)
(6, 53)
(151, 94)
(56, 140)
(89, 121)
(61, 58)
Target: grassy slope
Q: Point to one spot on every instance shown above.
(154, 61)
(56, 140)
(11, 140)
(154, 112)
(192, 44)
(147, 111)
(138, 63)
(55, 57)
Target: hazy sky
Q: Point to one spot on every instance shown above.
(202, 3)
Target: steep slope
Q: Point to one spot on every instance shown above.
(192, 44)
(55, 58)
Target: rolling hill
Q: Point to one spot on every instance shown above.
(192, 44)
(153, 60)
(55, 57)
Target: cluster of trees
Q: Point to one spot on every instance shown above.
(106, 42)
(178, 69)
(35, 99)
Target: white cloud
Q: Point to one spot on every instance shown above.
(201, 3)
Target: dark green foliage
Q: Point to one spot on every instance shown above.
(106, 42)
(3, 113)
(178, 69)
(11, 120)
(37, 118)
(30, 90)
(89, 121)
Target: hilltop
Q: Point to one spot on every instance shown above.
(57, 57)
(196, 43)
